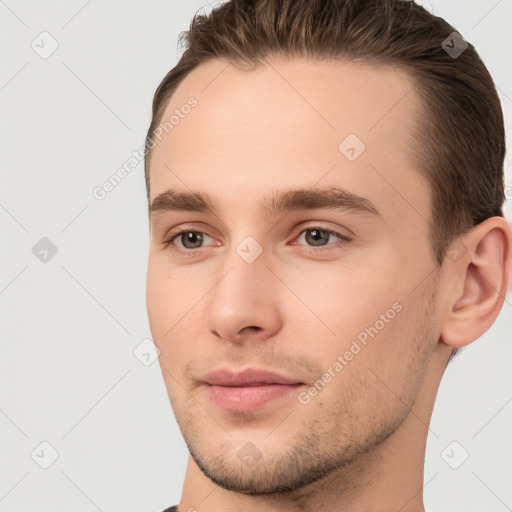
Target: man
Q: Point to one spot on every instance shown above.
(325, 181)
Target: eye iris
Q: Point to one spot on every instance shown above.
(314, 236)
(194, 238)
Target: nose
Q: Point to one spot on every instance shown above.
(244, 304)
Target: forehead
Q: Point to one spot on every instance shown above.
(293, 123)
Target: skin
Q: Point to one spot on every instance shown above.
(359, 444)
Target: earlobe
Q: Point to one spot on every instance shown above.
(483, 277)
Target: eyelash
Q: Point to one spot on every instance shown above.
(168, 242)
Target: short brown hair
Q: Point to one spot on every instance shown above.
(460, 138)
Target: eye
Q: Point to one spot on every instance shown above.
(317, 237)
(188, 239)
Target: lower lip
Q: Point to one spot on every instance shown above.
(248, 398)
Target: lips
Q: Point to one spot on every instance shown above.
(248, 390)
(248, 377)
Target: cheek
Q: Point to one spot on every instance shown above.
(158, 295)
(173, 300)
(343, 300)
(367, 318)
(374, 374)
(165, 303)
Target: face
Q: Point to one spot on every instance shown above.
(307, 257)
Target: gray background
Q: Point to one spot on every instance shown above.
(69, 325)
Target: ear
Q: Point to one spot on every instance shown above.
(479, 267)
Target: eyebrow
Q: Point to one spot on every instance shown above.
(331, 198)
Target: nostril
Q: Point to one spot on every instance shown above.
(252, 327)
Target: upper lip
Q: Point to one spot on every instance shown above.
(247, 377)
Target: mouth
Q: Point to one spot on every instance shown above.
(248, 390)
